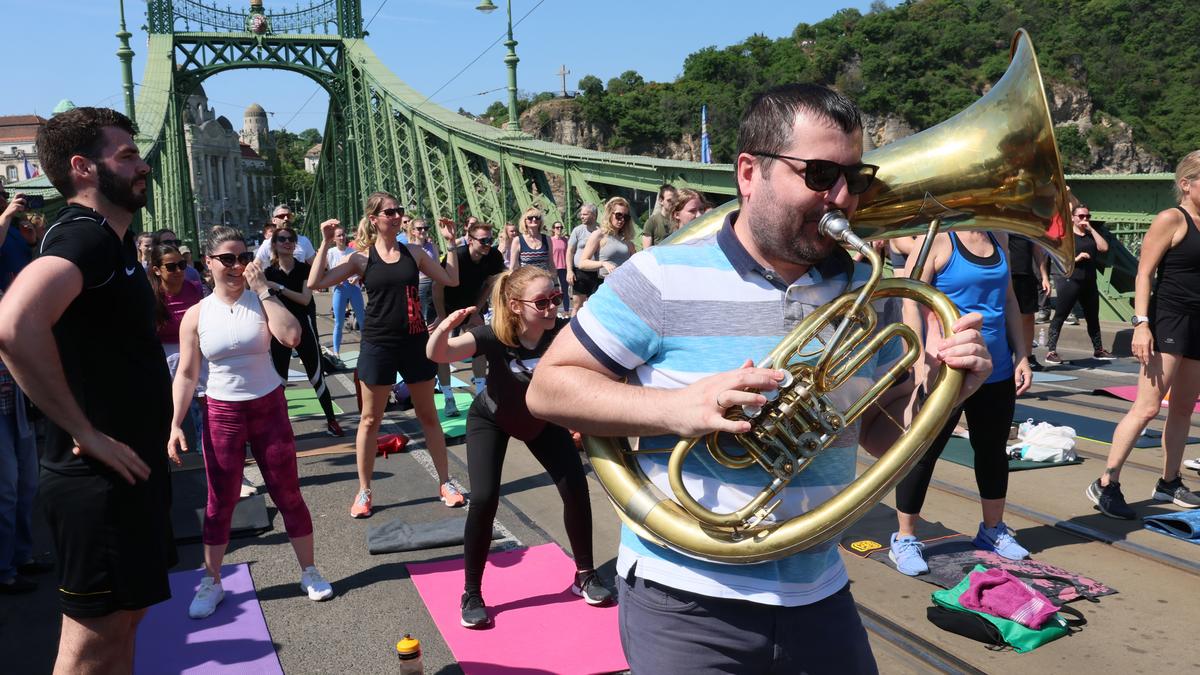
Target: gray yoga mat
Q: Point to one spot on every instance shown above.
(396, 535)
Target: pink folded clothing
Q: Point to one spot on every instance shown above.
(999, 593)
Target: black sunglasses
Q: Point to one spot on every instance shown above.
(542, 304)
(392, 212)
(174, 266)
(486, 241)
(822, 174)
(620, 216)
(229, 259)
(533, 218)
(284, 239)
(283, 216)
(423, 228)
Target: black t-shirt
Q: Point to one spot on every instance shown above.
(1085, 269)
(108, 343)
(1020, 256)
(509, 372)
(472, 276)
(293, 281)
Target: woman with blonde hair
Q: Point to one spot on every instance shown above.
(393, 335)
(530, 247)
(612, 243)
(508, 233)
(525, 303)
(1166, 341)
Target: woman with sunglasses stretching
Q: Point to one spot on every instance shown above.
(234, 329)
(287, 278)
(393, 335)
(612, 243)
(525, 322)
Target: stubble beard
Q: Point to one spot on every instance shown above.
(118, 190)
(781, 234)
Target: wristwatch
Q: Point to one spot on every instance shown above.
(1138, 320)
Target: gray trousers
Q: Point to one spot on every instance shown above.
(664, 630)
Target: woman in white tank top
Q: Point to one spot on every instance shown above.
(233, 328)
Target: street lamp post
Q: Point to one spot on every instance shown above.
(513, 124)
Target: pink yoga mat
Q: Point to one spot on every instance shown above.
(234, 639)
(538, 624)
(1129, 393)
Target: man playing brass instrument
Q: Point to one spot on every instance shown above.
(680, 323)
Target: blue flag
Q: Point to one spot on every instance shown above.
(705, 152)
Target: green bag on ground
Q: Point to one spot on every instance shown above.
(1020, 638)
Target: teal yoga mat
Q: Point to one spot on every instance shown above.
(959, 451)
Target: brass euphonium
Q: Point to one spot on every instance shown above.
(994, 166)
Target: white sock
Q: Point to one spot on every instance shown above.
(480, 383)
(448, 392)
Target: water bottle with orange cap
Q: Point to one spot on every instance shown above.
(408, 650)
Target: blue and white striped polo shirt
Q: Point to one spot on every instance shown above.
(675, 314)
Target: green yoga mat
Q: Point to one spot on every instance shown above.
(302, 402)
(959, 451)
(453, 427)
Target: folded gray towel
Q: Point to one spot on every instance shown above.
(396, 536)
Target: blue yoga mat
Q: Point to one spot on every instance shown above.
(1090, 428)
(1184, 525)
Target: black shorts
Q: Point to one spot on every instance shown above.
(1175, 332)
(378, 365)
(586, 282)
(1026, 288)
(114, 541)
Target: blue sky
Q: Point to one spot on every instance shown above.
(67, 49)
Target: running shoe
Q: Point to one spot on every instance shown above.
(1103, 355)
(474, 612)
(587, 586)
(314, 585)
(451, 495)
(1110, 500)
(208, 596)
(1193, 464)
(907, 556)
(1043, 316)
(451, 407)
(334, 429)
(1001, 540)
(1034, 365)
(1072, 320)
(361, 508)
(1175, 492)
(1053, 359)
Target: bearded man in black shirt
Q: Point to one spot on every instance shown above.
(77, 330)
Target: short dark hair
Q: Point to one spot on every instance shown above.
(766, 125)
(79, 131)
(664, 188)
(1078, 206)
(479, 226)
(221, 234)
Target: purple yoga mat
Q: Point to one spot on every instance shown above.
(234, 639)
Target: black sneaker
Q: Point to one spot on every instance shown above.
(1109, 500)
(1176, 493)
(474, 612)
(587, 586)
(1043, 316)
(1034, 365)
(1053, 359)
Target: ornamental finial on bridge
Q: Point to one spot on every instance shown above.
(257, 21)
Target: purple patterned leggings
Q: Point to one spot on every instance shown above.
(263, 422)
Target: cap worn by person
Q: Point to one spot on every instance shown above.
(184, 250)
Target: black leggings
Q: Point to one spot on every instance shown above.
(989, 417)
(1088, 295)
(554, 449)
(310, 355)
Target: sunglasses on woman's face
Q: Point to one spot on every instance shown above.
(393, 212)
(174, 266)
(620, 216)
(229, 259)
(533, 219)
(543, 304)
(284, 239)
(424, 228)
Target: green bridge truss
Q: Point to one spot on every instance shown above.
(381, 134)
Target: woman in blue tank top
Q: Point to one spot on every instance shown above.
(972, 269)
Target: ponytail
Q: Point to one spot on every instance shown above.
(506, 323)
(364, 237)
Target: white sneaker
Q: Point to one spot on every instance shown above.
(208, 596)
(314, 584)
(1193, 464)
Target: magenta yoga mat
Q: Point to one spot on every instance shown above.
(1129, 393)
(234, 639)
(538, 624)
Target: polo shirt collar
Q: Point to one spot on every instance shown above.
(838, 264)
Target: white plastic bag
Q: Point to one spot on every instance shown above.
(1044, 442)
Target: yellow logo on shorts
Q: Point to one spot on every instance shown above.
(865, 545)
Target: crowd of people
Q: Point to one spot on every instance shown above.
(575, 331)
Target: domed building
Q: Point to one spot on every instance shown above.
(231, 181)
